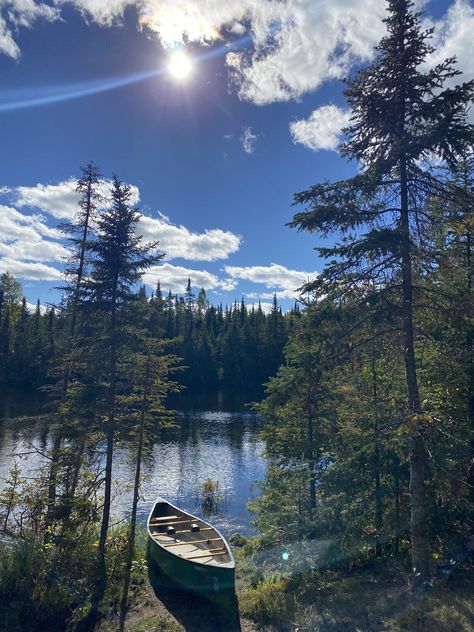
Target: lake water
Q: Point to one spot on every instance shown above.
(222, 446)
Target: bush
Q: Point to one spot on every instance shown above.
(32, 597)
(267, 602)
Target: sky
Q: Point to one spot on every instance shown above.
(213, 158)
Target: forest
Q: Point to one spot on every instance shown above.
(365, 387)
(227, 353)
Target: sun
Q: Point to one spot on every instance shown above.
(180, 65)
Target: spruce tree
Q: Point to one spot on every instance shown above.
(118, 265)
(401, 114)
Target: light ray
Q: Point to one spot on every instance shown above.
(11, 100)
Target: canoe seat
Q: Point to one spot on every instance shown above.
(204, 554)
(193, 542)
(170, 523)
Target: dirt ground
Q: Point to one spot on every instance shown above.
(164, 609)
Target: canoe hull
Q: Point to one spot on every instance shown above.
(212, 582)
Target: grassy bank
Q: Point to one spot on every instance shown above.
(41, 591)
(44, 587)
(373, 597)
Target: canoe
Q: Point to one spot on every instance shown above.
(192, 553)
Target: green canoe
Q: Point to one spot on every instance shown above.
(192, 553)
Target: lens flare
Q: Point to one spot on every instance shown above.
(37, 96)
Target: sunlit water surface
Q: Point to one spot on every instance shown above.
(222, 446)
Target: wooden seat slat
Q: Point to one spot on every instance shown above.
(203, 554)
(193, 542)
(160, 518)
(167, 524)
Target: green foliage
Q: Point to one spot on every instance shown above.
(43, 588)
(267, 602)
(210, 497)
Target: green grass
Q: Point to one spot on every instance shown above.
(371, 598)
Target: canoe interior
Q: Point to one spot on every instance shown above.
(193, 539)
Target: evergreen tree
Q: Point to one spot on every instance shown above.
(401, 114)
(119, 263)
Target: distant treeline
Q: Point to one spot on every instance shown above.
(230, 351)
(27, 339)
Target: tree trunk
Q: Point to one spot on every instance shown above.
(311, 463)
(52, 480)
(136, 490)
(397, 507)
(470, 368)
(76, 468)
(101, 582)
(59, 433)
(420, 551)
(376, 462)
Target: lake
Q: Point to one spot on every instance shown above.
(223, 446)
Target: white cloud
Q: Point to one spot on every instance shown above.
(175, 278)
(248, 140)
(60, 200)
(36, 251)
(8, 46)
(21, 13)
(27, 243)
(275, 276)
(32, 308)
(280, 295)
(17, 225)
(453, 37)
(104, 12)
(322, 130)
(32, 271)
(266, 307)
(179, 241)
(297, 44)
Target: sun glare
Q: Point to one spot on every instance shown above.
(180, 65)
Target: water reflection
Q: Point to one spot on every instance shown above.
(221, 446)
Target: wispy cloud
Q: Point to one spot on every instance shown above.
(453, 37)
(15, 14)
(248, 140)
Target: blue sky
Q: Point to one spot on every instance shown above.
(214, 159)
